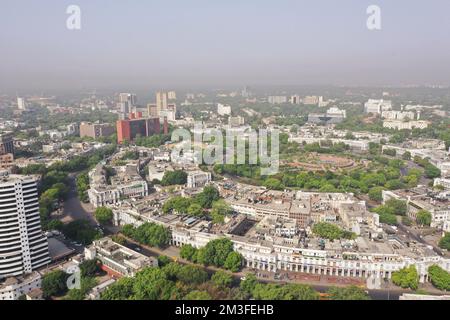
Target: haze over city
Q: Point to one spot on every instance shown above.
(139, 44)
(248, 154)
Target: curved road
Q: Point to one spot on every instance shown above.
(74, 209)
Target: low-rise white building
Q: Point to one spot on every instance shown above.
(117, 258)
(15, 287)
(198, 179)
(377, 106)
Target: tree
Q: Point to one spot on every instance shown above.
(398, 207)
(330, 231)
(90, 268)
(87, 283)
(177, 177)
(151, 234)
(104, 215)
(163, 261)
(273, 184)
(348, 293)
(222, 279)
(406, 278)
(122, 289)
(81, 231)
(284, 292)
(424, 218)
(233, 262)
(178, 204)
(431, 171)
(406, 156)
(376, 194)
(197, 295)
(195, 210)
(192, 275)
(152, 284)
(54, 283)
(55, 225)
(439, 277)
(220, 209)
(444, 243)
(188, 252)
(249, 283)
(206, 198)
(217, 251)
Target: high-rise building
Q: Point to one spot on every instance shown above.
(21, 103)
(128, 97)
(246, 92)
(127, 101)
(152, 110)
(172, 95)
(161, 101)
(129, 129)
(23, 247)
(295, 99)
(6, 143)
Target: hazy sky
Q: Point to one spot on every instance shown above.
(174, 43)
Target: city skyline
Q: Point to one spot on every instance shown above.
(198, 43)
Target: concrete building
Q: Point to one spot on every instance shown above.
(117, 259)
(172, 95)
(398, 115)
(312, 100)
(129, 129)
(223, 109)
(21, 104)
(6, 161)
(418, 199)
(405, 125)
(6, 143)
(295, 99)
(96, 130)
(23, 247)
(277, 99)
(332, 116)
(127, 183)
(198, 179)
(442, 182)
(13, 288)
(377, 106)
(126, 104)
(161, 101)
(284, 251)
(236, 121)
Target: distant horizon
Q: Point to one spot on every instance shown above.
(199, 43)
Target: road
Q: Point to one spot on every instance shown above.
(413, 234)
(74, 209)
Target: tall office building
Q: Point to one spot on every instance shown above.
(127, 101)
(21, 104)
(23, 247)
(172, 95)
(6, 143)
(161, 101)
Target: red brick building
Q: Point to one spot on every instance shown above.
(129, 129)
